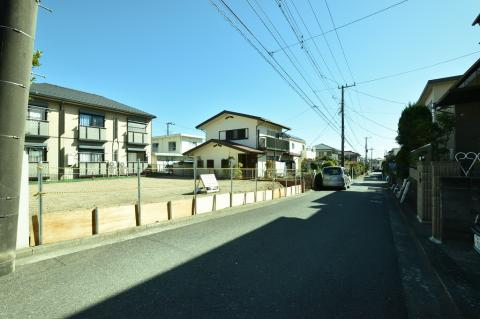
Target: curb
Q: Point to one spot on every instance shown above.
(34, 254)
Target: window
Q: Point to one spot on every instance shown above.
(134, 156)
(36, 113)
(210, 163)
(115, 156)
(92, 120)
(293, 146)
(225, 163)
(91, 156)
(172, 146)
(200, 163)
(238, 134)
(36, 155)
(272, 133)
(137, 127)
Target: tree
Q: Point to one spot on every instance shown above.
(37, 54)
(415, 129)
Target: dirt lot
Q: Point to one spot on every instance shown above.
(67, 196)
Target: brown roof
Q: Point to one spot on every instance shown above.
(261, 119)
(457, 94)
(236, 146)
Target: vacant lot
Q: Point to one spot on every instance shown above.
(67, 196)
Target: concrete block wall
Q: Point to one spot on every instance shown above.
(440, 169)
(424, 192)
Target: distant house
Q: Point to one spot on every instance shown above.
(352, 156)
(238, 138)
(79, 134)
(297, 151)
(323, 150)
(169, 149)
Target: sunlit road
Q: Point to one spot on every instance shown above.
(323, 255)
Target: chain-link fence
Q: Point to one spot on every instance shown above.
(141, 186)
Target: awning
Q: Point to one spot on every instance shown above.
(90, 147)
(135, 149)
(35, 145)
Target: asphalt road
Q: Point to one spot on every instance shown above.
(325, 254)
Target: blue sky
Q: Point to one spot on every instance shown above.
(182, 61)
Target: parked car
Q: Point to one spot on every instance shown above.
(334, 176)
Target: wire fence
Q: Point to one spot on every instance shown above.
(52, 192)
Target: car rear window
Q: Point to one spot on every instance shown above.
(332, 171)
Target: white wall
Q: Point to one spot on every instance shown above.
(209, 152)
(213, 128)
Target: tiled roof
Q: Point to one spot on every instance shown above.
(258, 118)
(66, 94)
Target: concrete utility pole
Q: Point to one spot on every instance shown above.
(17, 31)
(168, 127)
(342, 111)
(366, 150)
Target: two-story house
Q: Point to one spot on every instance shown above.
(169, 149)
(77, 134)
(323, 150)
(352, 156)
(297, 152)
(240, 139)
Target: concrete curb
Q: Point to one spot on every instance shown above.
(34, 254)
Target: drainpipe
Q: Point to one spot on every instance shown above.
(17, 32)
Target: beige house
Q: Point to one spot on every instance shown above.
(78, 134)
(240, 138)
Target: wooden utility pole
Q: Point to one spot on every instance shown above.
(17, 32)
(342, 112)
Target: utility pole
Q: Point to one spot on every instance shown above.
(366, 151)
(168, 127)
(342, 111)
(17, 32)
(371, 158)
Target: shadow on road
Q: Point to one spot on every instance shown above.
(338, 263)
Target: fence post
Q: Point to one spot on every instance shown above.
(40, 202)
(194, 186)
(231, 184)
(139, 209)
(256, 187)
(295, 183)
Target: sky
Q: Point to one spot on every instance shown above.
(183, 61)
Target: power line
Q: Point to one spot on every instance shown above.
(417, 69)
(380, 98)
(344, 25)
(290, 81)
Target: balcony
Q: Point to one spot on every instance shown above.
(132, 167)
(36, 128)
(138, 138)
(92, 133)
(273, 144)
(92, 169)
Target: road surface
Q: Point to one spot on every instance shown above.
(326, 254)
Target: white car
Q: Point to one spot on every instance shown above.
(334, 176)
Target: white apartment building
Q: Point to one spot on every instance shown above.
(169, 149)
(78, 134)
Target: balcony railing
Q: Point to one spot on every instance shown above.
(132, 167)
(273, 144)
(92, 133)
(33, 170)
(92, 169)
(137, 138)
(36, 128)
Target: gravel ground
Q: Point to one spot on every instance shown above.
(68, 196)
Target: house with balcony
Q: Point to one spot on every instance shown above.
(240, 139)
(168, 149)
(79, 134)
(352, 156)
(323, 150)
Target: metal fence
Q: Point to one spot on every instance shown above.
(67, 190)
